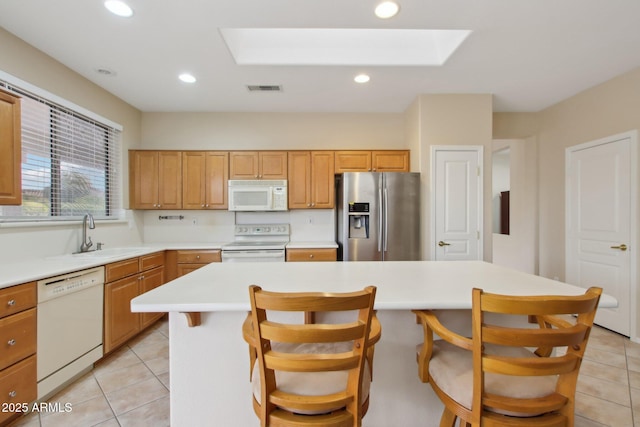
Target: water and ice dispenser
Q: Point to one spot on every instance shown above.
(358, 220)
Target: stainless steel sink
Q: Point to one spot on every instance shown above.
(102, 254)
(108, 253)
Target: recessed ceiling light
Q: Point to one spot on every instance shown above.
(187, 78)
(387, 9)
(119, 8)
(361, 78)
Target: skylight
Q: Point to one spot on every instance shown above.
(317, 46)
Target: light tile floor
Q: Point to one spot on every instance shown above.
(128, 388)
(131, 386)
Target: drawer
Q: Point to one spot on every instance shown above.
(150, 261)
(320, 254)
(17, 298)
(17, 337)
(120, 269)
(18, 386)
(199, 257)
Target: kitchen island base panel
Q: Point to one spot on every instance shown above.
(210, 373)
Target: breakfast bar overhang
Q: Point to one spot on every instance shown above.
(209, 360)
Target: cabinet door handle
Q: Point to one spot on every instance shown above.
(197, 256)
(310, 255)
(11, 342)
(13, 393)
(11, 302)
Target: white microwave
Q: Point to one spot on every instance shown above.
(257, 195)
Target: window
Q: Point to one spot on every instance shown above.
(70, 163)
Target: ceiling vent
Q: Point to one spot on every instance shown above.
(264, 88)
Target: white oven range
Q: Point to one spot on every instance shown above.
(257, 243)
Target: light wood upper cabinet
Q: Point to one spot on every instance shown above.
(372, 161)
(10, 150)
(322, 179)
(353, 161)
(311, 180)
(204, 179)
(155, 179)
(390, 161)
(258, 165)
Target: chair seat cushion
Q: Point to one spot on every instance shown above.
(451, 368)
(312, 383)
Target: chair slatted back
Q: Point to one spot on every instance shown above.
(556, 331)
(355, 333)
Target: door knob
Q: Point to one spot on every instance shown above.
(622, 247)
(441, 243)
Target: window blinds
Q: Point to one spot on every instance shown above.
(70, 163)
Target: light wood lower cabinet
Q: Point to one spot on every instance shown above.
(18, 382)
(191, 260)
(126, 280)
(317, 254)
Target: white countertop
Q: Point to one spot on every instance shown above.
(35, 269)
(401, 284)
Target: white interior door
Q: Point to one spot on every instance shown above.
(599, 224)
(456, 202)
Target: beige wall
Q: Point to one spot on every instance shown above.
(31, 65)
(455, 120)
(607, 109)
(269, 131)
(604, 110)
(515, 125)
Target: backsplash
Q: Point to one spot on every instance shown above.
(23, 243)
(36, 242)
(217, 226)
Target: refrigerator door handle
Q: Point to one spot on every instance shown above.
(380, 235)
(386, 217)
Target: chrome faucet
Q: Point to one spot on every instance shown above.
(84, 247)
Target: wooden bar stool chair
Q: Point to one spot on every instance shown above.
(315, 374)
(509, 376)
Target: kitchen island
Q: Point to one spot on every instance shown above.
(209, 363)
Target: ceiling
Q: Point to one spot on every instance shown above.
(529, 54)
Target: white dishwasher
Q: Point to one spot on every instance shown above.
(70, 321)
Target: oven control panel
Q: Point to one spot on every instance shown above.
(262, 230)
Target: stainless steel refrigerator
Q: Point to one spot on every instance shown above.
(378, 216)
